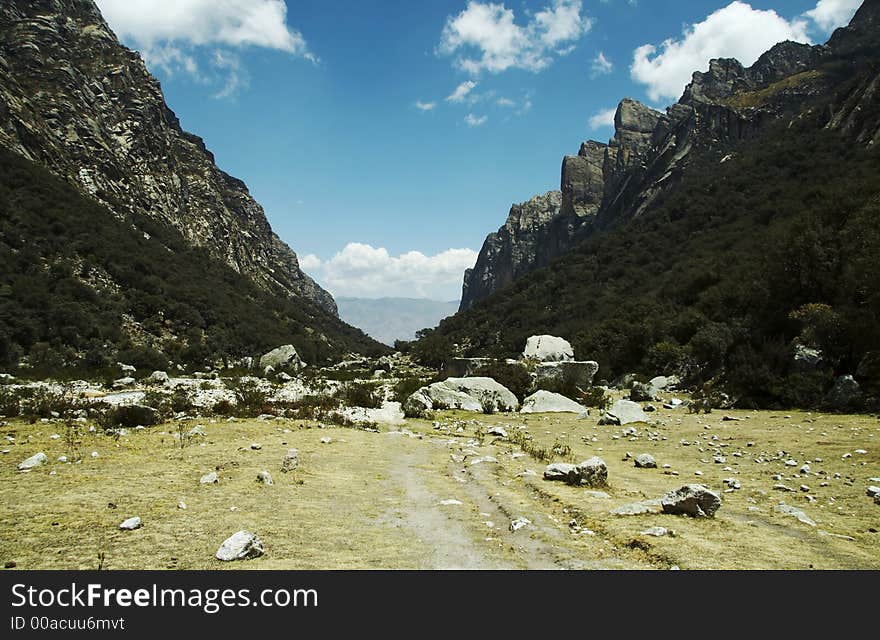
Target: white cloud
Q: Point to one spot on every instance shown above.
(170, 34)
(461, 91)
(830, 14)
(475, 121)
(505, 102)
(237, 23)
(601, 65)
(735, 31)
(604, 118)
(363, 271)
(425, 106)
(490, 31)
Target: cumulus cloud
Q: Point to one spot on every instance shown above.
(363, 271)
(475, 121)
(461, 91)
(170, 34)
(486, 37)
(237, 23)
(735, 31)
(601, 65)
(425, 106)
(830, 14)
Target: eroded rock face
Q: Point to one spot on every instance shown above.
(73, 99)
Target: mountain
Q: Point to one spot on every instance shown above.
(724, 237)
(120, 239)
(74, 100)
(607, 184)
(391, 319)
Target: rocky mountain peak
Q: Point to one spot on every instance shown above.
(633, 117)
(74, 100)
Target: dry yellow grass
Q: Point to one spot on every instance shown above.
(376, 500)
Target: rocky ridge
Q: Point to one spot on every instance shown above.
(607, 184)
(76, 101)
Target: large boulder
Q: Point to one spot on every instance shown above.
(547, 402)
(464, 394)
(807, 357)
(844, 395)
(590, 473)
(624, 412)
(570, 372)
(157, 377)
(548, 349)
(693, 500)
(282, 358)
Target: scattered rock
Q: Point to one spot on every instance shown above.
(36, 460)
(210, 478)
(731, 419)
(598, 495)
(593, 472)
(562, 472)
(326, 440)
(157, 377)
(483, 460)
(693, 500)
(642, 392)
(547, 402)
(519, 523)
(624, 412)
(873, 491)
(450, 503)
(265, 477)
(657, 532)
(497, 431)
(291, 461)
(795, 513)
(638, 508)
(242, 545)
(646, 461)
(256, 446)
(131, 524)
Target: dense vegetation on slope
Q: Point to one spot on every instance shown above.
(80, 288)
(777, 244)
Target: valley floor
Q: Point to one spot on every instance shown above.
(442, 495)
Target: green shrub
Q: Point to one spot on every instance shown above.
(513, 376)
(360, 394)
(9, 403)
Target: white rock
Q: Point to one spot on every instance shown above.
(242, 545)
(795, 513)
(131, 524)
(547, 402)
(326, 440)
(210, 478)
(36, 460)
(519, 523)
(265, 477)
(624, 412)
(548, 349)
(450, 503)
(181, 505)
(657, 532)
(291, 461)
(483, 459)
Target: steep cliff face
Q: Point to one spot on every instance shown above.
(607, 185)
(77, 102)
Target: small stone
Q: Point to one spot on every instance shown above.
(131, 524)
(62, 458)
(181, 505)
(483, 459)
(638, 508)
(291, 461)
(210, 478)
(805, 469)
(256, 446)
(657, 532)
(791, 463)
(805, 488)
(265, 477)
(497, 431)
(326, 440)
(646, 461)
(36, 460)
(519, 523)
(873, 491)
(450, 503)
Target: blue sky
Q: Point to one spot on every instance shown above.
(386, 139)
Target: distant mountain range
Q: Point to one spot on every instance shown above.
(390, 319)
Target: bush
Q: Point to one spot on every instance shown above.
(364, 394)
(595, 397)
(406, 387)
(9, 403)
(251, 400)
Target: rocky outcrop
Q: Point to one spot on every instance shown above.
(606, 185)
(74, 100)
